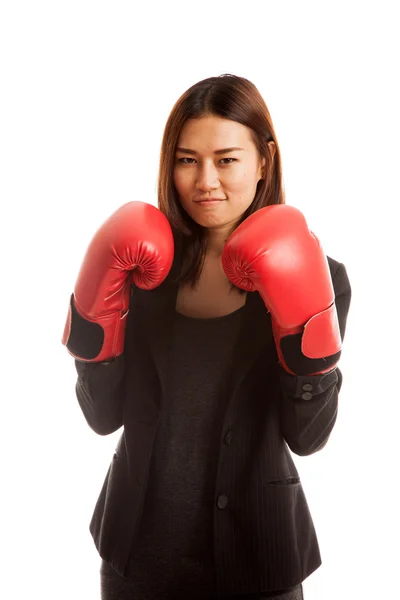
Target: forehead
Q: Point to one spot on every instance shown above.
(211, 133)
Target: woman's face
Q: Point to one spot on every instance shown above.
(206, 172)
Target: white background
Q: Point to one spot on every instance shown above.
(86, 91)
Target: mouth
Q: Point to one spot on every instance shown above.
(210, 201)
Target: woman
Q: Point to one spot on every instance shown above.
(210, 328)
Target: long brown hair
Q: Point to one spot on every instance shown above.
(230, 97)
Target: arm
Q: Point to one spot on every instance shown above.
(310, 403)
(99, 389)
(274, 252)
(135, 243)
(100, 386)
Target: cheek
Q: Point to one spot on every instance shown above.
(182, 186)
(241, 184)
(181, 179)
(176, 180)
(242, 176)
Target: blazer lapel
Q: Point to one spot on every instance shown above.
(254, 335)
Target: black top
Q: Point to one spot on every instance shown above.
(174, 547)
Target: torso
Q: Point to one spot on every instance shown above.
(212, 296)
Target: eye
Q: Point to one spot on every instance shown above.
(180, 160)
(233, 159)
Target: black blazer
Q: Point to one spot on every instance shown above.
(264, 537)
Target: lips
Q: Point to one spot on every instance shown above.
(210, 200)
(209, 203)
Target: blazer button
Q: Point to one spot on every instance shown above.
(222, 501)
(307, 387)
(228, 438)
(306, 396)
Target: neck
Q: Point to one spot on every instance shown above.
(215, 243)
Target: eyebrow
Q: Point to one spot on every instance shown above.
(222, 151)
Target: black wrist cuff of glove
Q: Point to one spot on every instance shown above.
(300, 364)
(86, 339)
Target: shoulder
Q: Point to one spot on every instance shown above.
(334, 265)
(340, 279)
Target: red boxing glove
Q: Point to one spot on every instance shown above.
(136, 242)
(275, 253)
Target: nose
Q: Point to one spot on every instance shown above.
(207, 177)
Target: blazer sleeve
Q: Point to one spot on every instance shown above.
(100, 387)
(309, 404)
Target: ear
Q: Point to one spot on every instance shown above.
(272, 148)
(262, 168)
